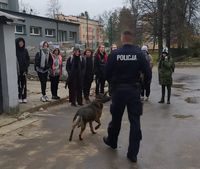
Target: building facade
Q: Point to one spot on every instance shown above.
(12, 5)
(36, 29)
(90, 31)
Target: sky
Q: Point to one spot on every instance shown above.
(75, 7)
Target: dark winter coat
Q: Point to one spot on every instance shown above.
(89, 69)
(165, 69)
(23, 58)
(75, 67)
(48, 64)
(100, 61)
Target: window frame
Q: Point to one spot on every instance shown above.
(3, 5)
(50, 35)
(23, 30)
(35, 34)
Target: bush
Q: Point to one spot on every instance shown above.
(195, 49)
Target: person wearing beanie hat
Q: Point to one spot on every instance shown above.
(43, 63)
(89, 74)
(75, 67)
(55, 73)
(146, 85)
(166, 68)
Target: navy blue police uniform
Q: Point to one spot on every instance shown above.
(123, 73)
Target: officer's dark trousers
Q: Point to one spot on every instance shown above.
(54, 85)
(22, 86)
(100, 84)
(43, 82)
(126, 97)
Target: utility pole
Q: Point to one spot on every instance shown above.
(87, 18)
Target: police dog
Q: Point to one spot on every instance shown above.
(88, 114)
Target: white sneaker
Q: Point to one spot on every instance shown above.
(24, 100)
(47, 99)
(147, 99)
(20, 100)
(43, 99)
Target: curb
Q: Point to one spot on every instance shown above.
(32, 110)
(44, 105)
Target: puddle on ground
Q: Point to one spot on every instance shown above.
(193, 100)
(178, 85)
(176, 94)
(178, 116)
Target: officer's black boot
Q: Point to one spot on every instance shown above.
(163, 95)
(108, 143)
(132, 158)
(168, 94)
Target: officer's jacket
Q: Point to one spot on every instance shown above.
(125, 65)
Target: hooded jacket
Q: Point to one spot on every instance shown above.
(23, 58)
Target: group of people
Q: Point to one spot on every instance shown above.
(128, 71)
(47, 63)
(166, 68)
(82, 69)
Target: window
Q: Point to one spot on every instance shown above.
(62, 36)
(72, 35)
(20, 29)
(50, 32)
(3, 5)
(37, 31)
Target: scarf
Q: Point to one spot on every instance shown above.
(44, 57)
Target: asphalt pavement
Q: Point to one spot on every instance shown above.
(170, 135)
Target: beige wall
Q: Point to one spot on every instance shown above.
(95, 30)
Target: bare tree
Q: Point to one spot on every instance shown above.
(150, 21)
(26, 8)
(53, 9)
(136, 9)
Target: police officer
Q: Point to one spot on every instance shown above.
(123, 73)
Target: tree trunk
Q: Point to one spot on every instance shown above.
(168, 23)
(160, 25)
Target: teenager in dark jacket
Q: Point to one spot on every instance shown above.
(22, 69)
(75, 68)
(43, 63)
(55, 73)
(89, 74)
(100, 61)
